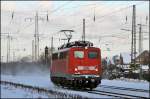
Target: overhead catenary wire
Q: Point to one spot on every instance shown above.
(58, 8)
(63, 6)
(49, 12)
(55, 10)
(108, 14)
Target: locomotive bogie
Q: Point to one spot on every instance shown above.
(78, 82)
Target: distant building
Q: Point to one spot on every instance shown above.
(122, 59)
(143, 58)
(126, 57)
(116, 59)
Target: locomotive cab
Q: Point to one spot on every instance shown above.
(86, 65)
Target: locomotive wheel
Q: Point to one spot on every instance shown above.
(91, 85)
(68, 84)
(75, 85)
(72, 84)
(91, 88)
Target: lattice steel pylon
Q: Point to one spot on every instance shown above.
(133, 43)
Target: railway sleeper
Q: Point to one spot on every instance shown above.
(39, 90)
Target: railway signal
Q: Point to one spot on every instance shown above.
(46, 55)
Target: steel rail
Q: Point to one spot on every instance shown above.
(40, 90)
(99, 92)
(107, 93)
(117, 95)
(110, 94)
(103, 92)
(124, 88)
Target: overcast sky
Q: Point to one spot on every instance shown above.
(110, 18)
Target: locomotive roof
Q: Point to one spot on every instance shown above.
(66, 49)
(61, 50)
(75, 44)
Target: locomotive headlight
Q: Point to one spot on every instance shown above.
(96, 69)
(76, 69)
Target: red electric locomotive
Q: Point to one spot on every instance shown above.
(77, 64)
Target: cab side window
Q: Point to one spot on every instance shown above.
(55, 56)
(63, 55)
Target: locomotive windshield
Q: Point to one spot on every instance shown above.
(78, 54)
(92, 54)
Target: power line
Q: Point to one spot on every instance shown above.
(108, 14)
(25, 27)
(58, 8)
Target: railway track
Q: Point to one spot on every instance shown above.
(61, 94)
(121, 92)
(40, 90)
(115, 94)
(112, 94)
(124, 88)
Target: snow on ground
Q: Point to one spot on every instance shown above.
(41, 81)
(11, 92)
(45, 82)
(127, 84)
